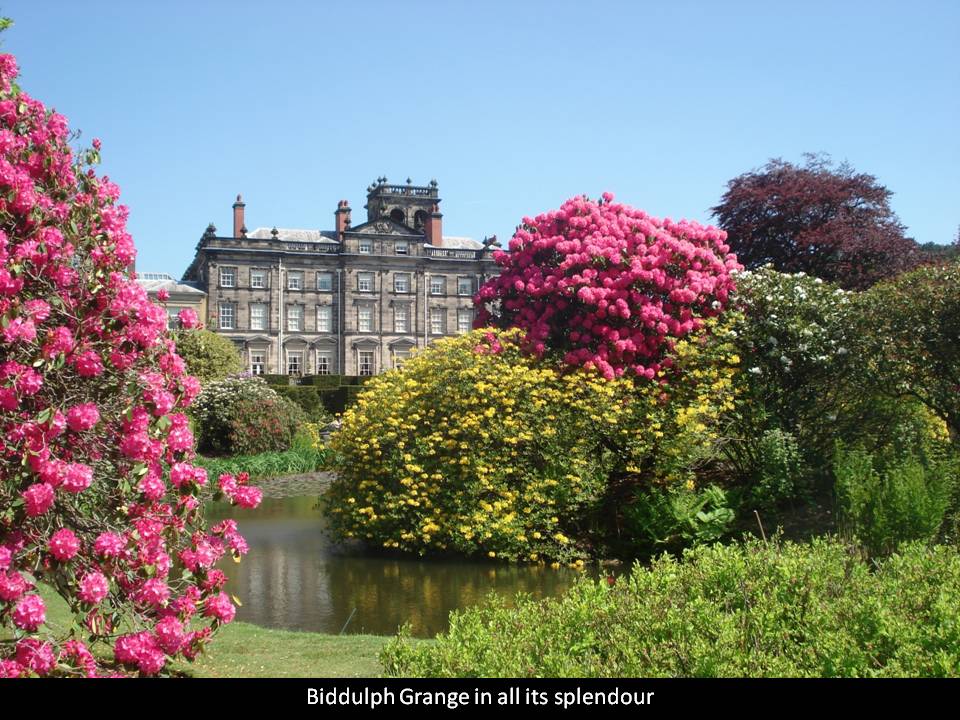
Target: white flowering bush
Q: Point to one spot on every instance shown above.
(797, 332)
(795, 345)
(243, 415)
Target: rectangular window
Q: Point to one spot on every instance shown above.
(400, 357)
(228, 277)
(295, 318)
(173, 322)
(324, 318)
(401, 283)
(464, 286)
(294, 280)
(227, 316)
(365, 362)
(438, 285)
(365, 318)
(365, 282)
(294, 363)
(325, 282)
(257, 362)
(464, 320)
(401, 318)
(258, 279)
(323, 363)
(366, 247)
(401, 247)
(258, 316)
(437, 320)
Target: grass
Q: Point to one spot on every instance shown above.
(266, 465)
(242, 650)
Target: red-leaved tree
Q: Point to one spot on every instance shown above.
(826, 221)
(99, 501)
(606, 285)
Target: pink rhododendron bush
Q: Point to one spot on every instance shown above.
(608, 286)
(99, 500)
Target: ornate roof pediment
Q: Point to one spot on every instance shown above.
(384, 226)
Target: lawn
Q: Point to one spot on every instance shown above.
(244, 650)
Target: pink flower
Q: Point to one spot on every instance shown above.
(247, 496)
(109, 545)
(36, 655)
(163, 295)
(153, 592)
(88, 364)
(188, 318)
(77, 477)
(38, 498)
(170, 635)
(12, 586)
(64, 545)
(219, 606)
(30, 613)
(11, 669)
(93, 588)
(83, 417)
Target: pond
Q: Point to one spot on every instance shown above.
(295, 578)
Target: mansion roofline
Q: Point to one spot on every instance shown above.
(353, 300)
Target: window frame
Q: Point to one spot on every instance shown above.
(440, 314)
(328, 318)
(233, 315)
(263, 318)
(372, 365)
(361, 311)
(328, 275)
(298, 354)
(232, 270)
(401, 310)
(366, 275)
(298, 309)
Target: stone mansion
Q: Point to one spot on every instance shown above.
(355, 300)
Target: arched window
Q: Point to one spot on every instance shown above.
(398, 216)
(419, 220)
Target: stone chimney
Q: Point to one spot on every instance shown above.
(343, 219)
(239, 228)
(434, 227)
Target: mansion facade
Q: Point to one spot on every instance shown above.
(355, 300)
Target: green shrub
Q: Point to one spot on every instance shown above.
(908, 329)
(659, 519)
(309, 399)
(326, 381)
(883, 505)
(780, 472)
(263, 425)
(208, 355)
(752, 610)
(243, 415)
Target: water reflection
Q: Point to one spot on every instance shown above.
(293, 578)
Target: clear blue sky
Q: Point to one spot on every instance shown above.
(512, 107)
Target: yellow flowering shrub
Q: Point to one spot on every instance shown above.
(477, 448)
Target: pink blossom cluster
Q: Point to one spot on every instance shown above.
(101, 499)
(607, 286)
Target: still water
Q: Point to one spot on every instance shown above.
(295, 578)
